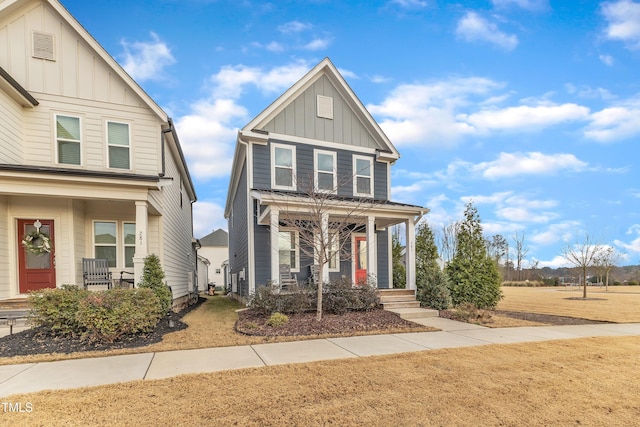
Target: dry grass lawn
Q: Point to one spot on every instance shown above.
(620, 304)
(594, 381)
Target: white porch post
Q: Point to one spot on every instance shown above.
(372, 259)
(274, 222)
(142, 246)
(324, 229)
(411, 253)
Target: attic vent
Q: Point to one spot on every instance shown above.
(43, 46)
(325, 107)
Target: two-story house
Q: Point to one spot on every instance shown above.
(319, 133)
(87, 160)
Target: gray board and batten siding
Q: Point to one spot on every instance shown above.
(239, 234)
(299, 119)
(304, 168)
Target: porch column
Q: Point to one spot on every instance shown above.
(274, 225)
(372, 259)
(142, 246)
(411, 253)
(324, 226)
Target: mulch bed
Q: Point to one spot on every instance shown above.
(305, 324)
(38, 341)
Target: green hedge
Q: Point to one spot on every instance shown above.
(103, 316)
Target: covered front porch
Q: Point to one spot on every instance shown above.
(346, 238)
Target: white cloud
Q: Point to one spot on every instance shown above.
(634, 245)
(615, 123)
(472, 28)
(535, 163)
(607, 60)
(231, 80)
(557, 262)
(207, 216)
(563, 231)
(526, 117)
(516, 208)
(146, 60)
(275, 47)
(623, 22)
(208, 135)
(410, 4)
(318, 44)
(425, 114)
(294, 27)
(524, 4)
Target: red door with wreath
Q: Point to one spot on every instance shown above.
(36, 259)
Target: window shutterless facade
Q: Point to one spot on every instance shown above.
(119, 145)
(324, 170)
(289, 249)
(107, 243)
(362, 176)
(283, 166)
(68, 140)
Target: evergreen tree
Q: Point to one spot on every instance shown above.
(430, 280)
(399, 270)
(153, 278)
(473, 275)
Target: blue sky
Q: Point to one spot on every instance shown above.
(529, 108)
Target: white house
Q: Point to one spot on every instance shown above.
(87, 159)
(215, 247)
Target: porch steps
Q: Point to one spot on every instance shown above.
(403, 302)
(15, 304)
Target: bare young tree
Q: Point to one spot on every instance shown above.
(521, 252)
(497, 247)
(583, 256)
(324, 223)
(606, 259)
(448, 240)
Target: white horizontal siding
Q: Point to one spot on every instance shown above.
(10, 130)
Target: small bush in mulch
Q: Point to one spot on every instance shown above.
(252, 322)
(39, 340)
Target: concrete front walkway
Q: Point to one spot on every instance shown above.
(66, 374)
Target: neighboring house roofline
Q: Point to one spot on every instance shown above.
(15, 91)
(239, 157)
(325, 67)
(77, 172)
(216, 239)
(93, 43)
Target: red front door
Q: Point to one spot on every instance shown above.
(360, 258)
(35, 270)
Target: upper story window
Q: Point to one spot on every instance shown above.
(362, 176)
(68, 140)
(283, 166)
(118, 145)
(325, 167)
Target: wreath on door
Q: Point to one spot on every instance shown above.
(37, 243)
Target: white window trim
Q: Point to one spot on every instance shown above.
(296, 237)
(333, 154)
(106, 134)
(356, 175)
(57, 150)
(336, 269)
(273, 166)
(119, 245)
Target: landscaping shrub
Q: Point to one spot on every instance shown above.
(153, 278)
(277, 319)
(109, 315)
(527, 283)
(55, 309)
(468, 312)
(434, 292)
(338, 297)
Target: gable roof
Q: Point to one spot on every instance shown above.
(218, 238)
(15, 91)
(9, 5)
(254, 130)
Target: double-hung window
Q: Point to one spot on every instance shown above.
(119, 145)
(68, 140)
(362, 176)
(288, 249)
(107, 244)
(325, 171)
(283, 166)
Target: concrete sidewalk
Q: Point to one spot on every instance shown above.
(69, 374)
